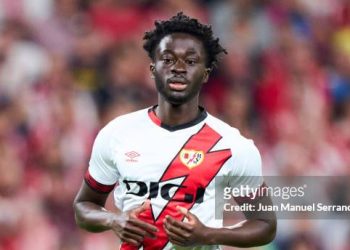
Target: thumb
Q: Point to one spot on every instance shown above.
(146, 205)
(188, 215)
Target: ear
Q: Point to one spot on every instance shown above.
(207, 73)
(152, 68)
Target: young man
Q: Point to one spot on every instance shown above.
(164, 159)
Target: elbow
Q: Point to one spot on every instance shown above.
(82, 222)
(79, 220)
(270, 231)
(86, 218)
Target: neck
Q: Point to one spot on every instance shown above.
(173, 115)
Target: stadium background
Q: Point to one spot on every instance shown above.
(69, 66)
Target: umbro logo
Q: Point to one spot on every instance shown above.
(131, 156)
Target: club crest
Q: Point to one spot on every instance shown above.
(191, 158)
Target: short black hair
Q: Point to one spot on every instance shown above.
(184, 24)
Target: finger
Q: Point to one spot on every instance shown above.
(130, 241)
(182, 210)
(174, 236)
(146, 205)
(139, 231)
(186, 213)
(131, 236)
(186, 226)
(179, 243)
(176, 230)
(144, 225)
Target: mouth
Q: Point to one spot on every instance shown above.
(177, 84)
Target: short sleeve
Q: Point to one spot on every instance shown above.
(102, 174)
(246, 166)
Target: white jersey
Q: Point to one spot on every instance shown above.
(170, 166)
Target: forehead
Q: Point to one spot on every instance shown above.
(181, 43)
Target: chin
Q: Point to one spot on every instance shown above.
(176, 100)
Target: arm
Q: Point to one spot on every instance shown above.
(99, 181)
(248, 233)
(258, 229)
(91, 215)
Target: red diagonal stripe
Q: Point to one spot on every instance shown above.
(197, 177)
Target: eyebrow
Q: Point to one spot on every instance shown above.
(166, 51)
(191, 52)
(188, 52)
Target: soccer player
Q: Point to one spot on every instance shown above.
(162, 161)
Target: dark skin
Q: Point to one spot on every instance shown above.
(180, 69)
(91, 215)
(179, 58)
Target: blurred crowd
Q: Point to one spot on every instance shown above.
(67, 67)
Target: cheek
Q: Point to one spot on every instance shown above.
(198, 75)
(159, 77)
(159, 82)
(161, 72)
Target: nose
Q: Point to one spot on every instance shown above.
(179, 67)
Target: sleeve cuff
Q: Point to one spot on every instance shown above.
(95, 185)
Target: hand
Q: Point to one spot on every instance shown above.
(189, 233)
(132, 230)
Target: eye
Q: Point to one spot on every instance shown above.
(191, 61)
(168, 60)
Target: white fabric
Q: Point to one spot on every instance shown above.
(153, 149)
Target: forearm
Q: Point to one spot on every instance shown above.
(247, 233)
(93, 217)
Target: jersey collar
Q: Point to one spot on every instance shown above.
(155, 119)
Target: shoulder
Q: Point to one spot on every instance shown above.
(121, 127)
(246, 160)
(129, 120)
(224, 129)
(239, 144)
